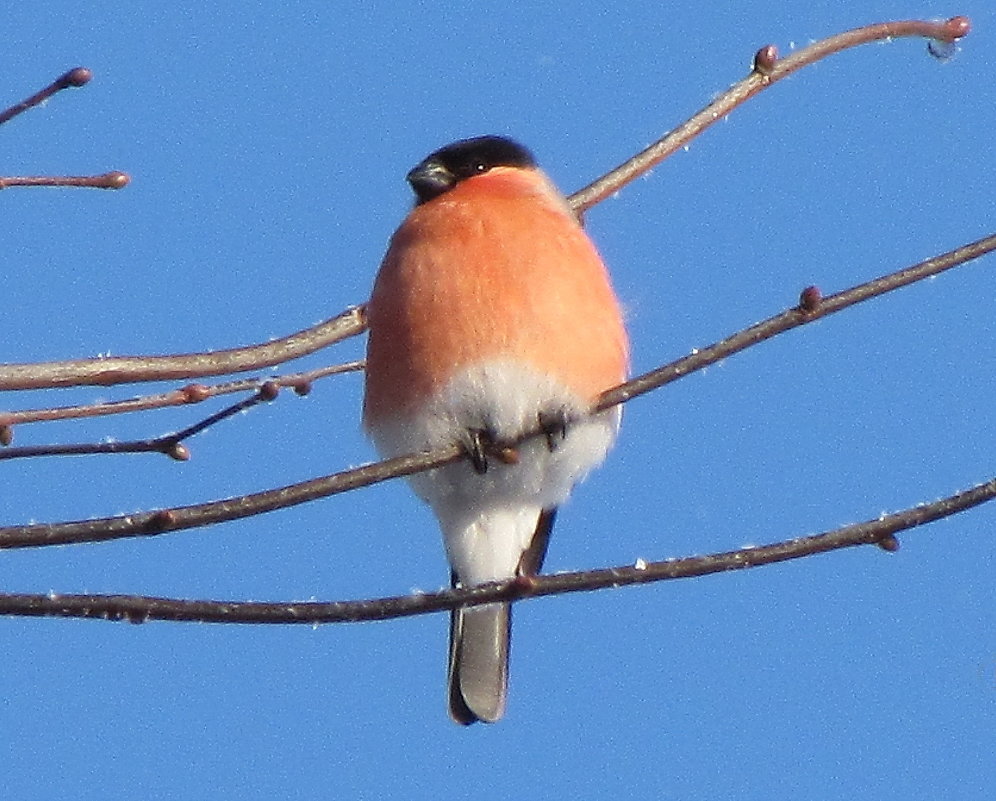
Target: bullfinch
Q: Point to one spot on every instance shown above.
(492, 315)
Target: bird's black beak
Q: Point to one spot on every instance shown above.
(430, 179)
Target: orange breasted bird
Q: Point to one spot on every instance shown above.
(492, 315)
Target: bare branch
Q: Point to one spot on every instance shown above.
(130, 369)
(139, 609)
(75, 77)
(812, 306)
(108, 180)
(191, 393)
(158, 522)
(168, 444)
(768, 69)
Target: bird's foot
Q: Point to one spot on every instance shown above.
(479, 442)
(482, 445)
(554, 427)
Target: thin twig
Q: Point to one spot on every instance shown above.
(108, 180)
(139, 609)
(768, 69)
(75, 77)
(168, 444)
(132, 369)
(812, 307)
(191, 393)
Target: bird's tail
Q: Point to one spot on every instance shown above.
(478, 666)
(480, 638)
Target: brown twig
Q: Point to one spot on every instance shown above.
(108, 180)
(169, 444)
(768, 69)
(191, 393)
(75, 78)
(132, 369)
(812, 308)
(139, 609)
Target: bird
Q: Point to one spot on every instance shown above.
(492, 315)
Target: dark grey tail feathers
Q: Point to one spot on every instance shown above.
(478, 664)
(480, 639)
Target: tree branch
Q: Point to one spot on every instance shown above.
(190, 394)
(108, 180)
(75, 77)
(150, 523)
(130, 369)
(812, 307)
(139, 609)
(768, 69)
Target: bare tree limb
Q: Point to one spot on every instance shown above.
(812, 307)
(139, 609)
(768, 69)
(75, 77)
(150, 523)
(168, 444)
(129, 369)
(301, 383)
(108, 180)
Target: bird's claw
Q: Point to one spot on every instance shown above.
(478, 443)
(554, 427)
(481, 445)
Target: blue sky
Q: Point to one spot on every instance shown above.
(267, 145)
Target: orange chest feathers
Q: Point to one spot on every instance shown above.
(480, 275)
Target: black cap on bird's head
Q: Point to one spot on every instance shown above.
(445, 168)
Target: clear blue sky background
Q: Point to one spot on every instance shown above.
(268, 145)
